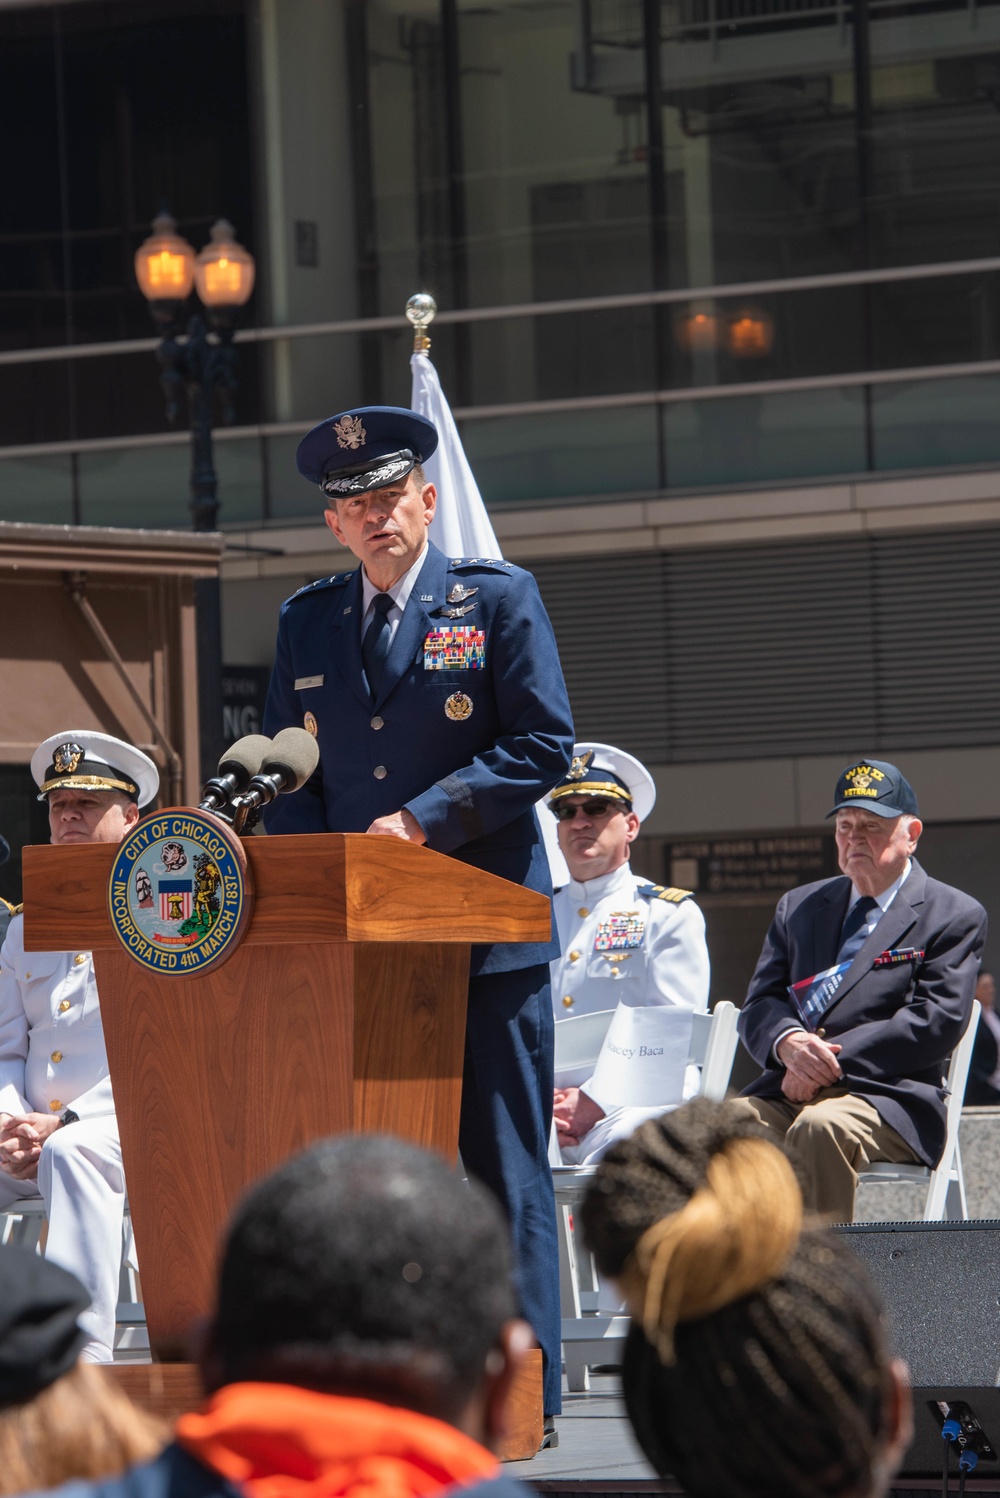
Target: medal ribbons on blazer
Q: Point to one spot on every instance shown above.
(179, 895)
(461, 648)
(895, 956)
(621, 932)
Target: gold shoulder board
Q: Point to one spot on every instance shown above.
(14, 909)
(675, 896)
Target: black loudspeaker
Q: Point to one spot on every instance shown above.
(940, 1285)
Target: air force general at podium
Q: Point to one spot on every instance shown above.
(434, 688)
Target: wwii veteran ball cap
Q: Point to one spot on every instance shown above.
(603, 770)
(40, 1339)
(875, 785)
(80, 759)
(364, 449)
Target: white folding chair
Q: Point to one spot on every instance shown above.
(590, 1336)
(21, 1224)
(945, 1199)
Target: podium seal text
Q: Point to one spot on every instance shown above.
(180, 893)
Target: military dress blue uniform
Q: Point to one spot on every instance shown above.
(470, 726)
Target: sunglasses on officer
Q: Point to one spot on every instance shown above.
(592, 809)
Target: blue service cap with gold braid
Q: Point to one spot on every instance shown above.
(365, 449)
(875, 785)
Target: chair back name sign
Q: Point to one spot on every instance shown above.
(335, 1002)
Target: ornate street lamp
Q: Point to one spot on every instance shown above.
(202, 359)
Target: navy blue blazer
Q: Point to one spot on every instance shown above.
(175, 1474)
(468, 748)
(897, 1025)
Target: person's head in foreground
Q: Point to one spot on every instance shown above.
(756, 1365)
(362, 1274)
(59, 1418)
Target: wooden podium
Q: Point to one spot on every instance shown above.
(343, 1009)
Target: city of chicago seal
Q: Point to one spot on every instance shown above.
(180, 893)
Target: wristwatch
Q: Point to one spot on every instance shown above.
(67, 1116)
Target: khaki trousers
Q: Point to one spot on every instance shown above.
(830, 1139)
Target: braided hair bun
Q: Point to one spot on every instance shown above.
(756, 1365)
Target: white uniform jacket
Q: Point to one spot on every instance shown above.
(627, 942)
(52, 1052)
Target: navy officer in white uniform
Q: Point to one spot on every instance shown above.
(58, 1131)
(434, 688)
(628, 945)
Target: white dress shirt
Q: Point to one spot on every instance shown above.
(399, 593)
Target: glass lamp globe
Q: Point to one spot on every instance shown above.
(224, 271)
(164, 263)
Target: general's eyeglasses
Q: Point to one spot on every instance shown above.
(595, 809)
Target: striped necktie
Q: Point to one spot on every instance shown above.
(855, 932)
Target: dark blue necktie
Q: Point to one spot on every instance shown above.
(375, 645)
(855, 932)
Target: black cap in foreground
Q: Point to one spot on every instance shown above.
(40, 1339)
(875, 785)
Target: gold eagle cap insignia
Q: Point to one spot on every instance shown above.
(860, 778)
(580, 765)
(66, 758)
(350, 432)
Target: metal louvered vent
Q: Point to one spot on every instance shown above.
(815, 647)
(610, 618)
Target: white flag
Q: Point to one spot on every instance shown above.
(461, 527)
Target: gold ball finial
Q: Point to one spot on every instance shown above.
(420, 311)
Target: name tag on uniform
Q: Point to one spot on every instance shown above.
(302, 682)
(812, 997)
(460, 649)
(621, 932)
(644, 1057)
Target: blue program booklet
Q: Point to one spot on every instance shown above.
(813, 996)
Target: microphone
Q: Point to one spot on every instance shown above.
(286, 766)
(236, 769)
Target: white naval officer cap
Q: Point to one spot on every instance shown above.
(603, 770)
(81, 759)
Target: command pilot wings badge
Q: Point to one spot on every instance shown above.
(460, 593)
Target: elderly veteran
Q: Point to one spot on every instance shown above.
(58, 1131)
(863, 989)
(628, 945)
(434, 688)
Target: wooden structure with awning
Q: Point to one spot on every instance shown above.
(98, 630)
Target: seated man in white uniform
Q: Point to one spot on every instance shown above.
(628, 946)
(58, 1131)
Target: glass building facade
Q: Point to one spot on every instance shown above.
(814, 186)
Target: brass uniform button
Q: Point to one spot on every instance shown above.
(380, 772)
(615, 971)
(79, 958)
(55, 1106)
(567, 1002)
(27, 975)
(57, 1055)
(63, 1006)
(377, 722)
(821, 1033)
(583, 911)
(574, 957)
